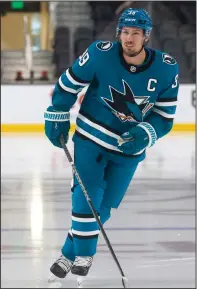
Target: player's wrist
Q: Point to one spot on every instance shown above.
(52, 114)
(149, 129)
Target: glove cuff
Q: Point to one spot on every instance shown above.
(51, 115)
(56, 116)
(150, 131)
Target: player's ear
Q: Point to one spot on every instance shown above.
(146, 39)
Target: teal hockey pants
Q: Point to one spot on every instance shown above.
(106, 177)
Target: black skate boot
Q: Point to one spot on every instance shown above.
(61, 267)
(81, 265)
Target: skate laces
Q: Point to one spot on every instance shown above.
(83, 261)
(64, 263)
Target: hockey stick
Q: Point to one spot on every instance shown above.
(124, 279)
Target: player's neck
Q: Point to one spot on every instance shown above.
(136, 60)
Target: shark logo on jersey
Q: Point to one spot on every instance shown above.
(126, 106)
(168, 59)
(104, 45)
(144, 104)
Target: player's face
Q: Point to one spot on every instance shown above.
(132, 39)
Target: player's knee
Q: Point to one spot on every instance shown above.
(105, 214)
(79, 202)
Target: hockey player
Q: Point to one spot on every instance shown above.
(129, 105)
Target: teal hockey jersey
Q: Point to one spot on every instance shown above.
(120, 95)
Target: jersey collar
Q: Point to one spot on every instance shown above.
(150, 56)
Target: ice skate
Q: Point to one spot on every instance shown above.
(60, 268)
(81, 265)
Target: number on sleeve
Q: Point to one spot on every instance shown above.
(84, 58)
(175, 81)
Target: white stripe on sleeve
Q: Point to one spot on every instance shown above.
(68, 88)
(74, 81)
(162, 113)
(172, 103)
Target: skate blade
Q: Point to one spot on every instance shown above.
(80, 280)
(53, 282)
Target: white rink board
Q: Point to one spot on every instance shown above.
(27, 103)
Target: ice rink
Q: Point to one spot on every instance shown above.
(152, 232)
